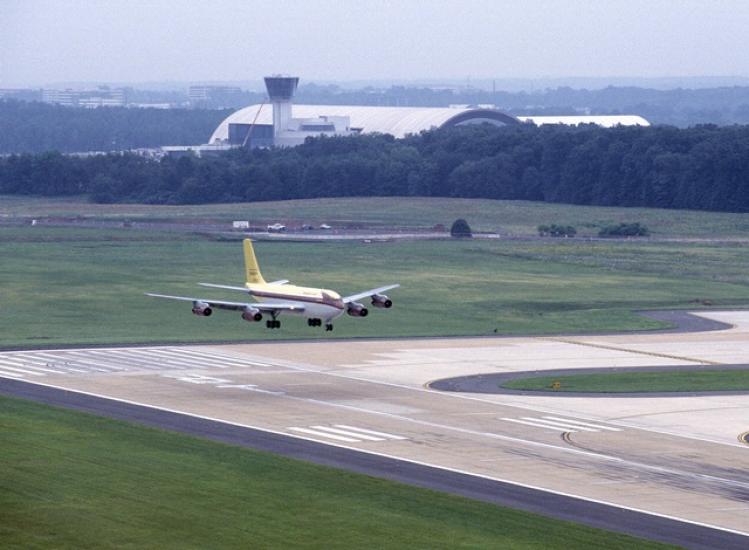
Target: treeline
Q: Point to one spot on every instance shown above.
(705, 167)
(30, 127)
(677, 107)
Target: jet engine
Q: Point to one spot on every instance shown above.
(357, 310)
(380, 300)
(251, 314)
(201, 309)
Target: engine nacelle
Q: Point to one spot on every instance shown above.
(380, 300)
(201, 309)
(357, 310)
(252, 315)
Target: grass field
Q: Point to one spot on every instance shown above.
(632, 382)
(71, 480)
(505, 217)
(86, 286)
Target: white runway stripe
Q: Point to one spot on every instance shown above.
(527, 423)
(22, 371)
(145, 359)
(66, 359)
(41, 362)
(233, 359)
(193, 360)
(11, 375)
(115, 360)
(93, 357)
(59, 362)
(370, 432)
(148, 360)
(562, 425)
(159, 360)
(348, 433)
(581, 423)
(324, 435)
(5, 360)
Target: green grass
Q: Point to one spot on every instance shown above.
(506, 217)
(86, 286)
(633, 382)
(71, 480)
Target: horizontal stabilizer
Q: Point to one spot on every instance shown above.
(227, 287)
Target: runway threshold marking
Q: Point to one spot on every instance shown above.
(627, 350)
(37, 363)
(349, 434)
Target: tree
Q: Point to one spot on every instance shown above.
(624, 230)
(461, 229)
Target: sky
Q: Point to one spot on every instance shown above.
(46, 41)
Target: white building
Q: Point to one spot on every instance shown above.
(280, 123)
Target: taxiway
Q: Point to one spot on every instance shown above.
(634, 464)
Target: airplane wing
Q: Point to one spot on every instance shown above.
(242, 288)
(368, 293)
(235, 306)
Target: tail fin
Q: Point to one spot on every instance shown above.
(252, 271)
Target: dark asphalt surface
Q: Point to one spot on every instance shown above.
(491, 383)
(496, 492)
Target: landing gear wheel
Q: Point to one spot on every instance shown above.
(272, 323)
(328, 327)
(314, 322)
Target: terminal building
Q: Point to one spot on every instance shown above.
(280, 123)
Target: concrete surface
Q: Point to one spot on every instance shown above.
(673, 457)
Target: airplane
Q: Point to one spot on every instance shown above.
(318, 305)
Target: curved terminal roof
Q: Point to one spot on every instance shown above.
(397, 121)
(400, 121)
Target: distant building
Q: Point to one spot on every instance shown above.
(215, 97)
(103, 96)
(280, 123)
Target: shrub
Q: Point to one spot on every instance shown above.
(555, 230)
(461, 229)
(624, 230)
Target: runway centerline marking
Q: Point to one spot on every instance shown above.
(589, 424)
(536, 425)
(567, 426)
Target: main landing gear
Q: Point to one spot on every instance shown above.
(312, 322)
(273, 323)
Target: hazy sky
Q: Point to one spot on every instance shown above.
(43, 41)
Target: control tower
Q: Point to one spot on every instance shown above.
(280, 91)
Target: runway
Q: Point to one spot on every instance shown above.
(676, 462)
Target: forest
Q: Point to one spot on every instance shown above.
(32, 127)
(703, 168)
